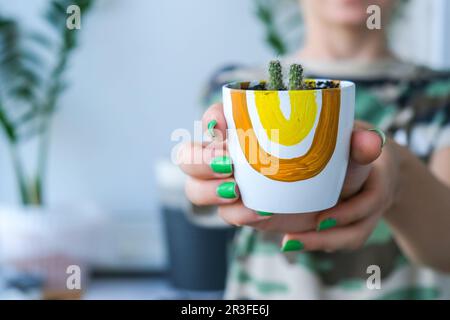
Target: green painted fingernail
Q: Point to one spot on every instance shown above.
(327, 224)
(293, 245)
(221, 165)
(211, 125)
(381, 134)
(264, 214)
(227, 190)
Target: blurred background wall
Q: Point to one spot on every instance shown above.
(135, 78)
(422, 33)
(138, 75)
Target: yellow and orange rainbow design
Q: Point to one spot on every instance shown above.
(291, 131)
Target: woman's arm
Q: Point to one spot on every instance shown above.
(394, 185)
(420, 213)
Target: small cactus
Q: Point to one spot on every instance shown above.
(275, 76)
(296, 77)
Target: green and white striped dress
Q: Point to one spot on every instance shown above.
(412, 104)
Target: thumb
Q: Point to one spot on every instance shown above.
(366, 147)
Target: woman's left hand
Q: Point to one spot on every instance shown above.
(348, 225)
(369, 190)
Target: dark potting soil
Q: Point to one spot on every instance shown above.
(309, 85)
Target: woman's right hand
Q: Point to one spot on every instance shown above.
(211, 182)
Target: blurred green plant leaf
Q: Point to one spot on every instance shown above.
(30, 86)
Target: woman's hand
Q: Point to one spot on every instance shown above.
(368, 190)
(348, 224)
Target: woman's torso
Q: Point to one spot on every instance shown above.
(412, 104)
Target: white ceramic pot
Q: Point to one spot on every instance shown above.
(289, 149)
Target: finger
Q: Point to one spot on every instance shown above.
(210, 162)
(351, 237)
(264, 221)
(238, 215)
(211, 192)
(354, 179)
(359, 207)
(365, 148)
(287, 223)
(214, 121)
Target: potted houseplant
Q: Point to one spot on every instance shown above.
(292, 142)
(197, 240)
(32, 234)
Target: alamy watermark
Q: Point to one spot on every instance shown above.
(373, 282)
(73, 21)
(184, 152)
(73, 281)
(374, 20)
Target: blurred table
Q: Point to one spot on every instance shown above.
(141, 288)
